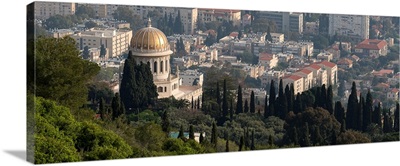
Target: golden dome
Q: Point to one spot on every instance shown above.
(149, 39)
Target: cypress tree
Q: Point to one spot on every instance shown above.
(102, 109)
(339, 112)
(201, 139)
(227, 142)
(217, 95)
(241, 143)
(270, 140)
(252, 103)
(367, 113)
(268, 37)
(297, 106)
(396, 118)
(377, 115)
(165, 122)
(386, 124)
(317, 94)
(128, 83)
(282, 102)
(329, 100)
(271, 100)
(288, 97)
(181, 135)
(116, 105)
(191, 132)
(295, 136)
(192, 103)
(239, 104)
(317, 136)
(225, 101)
(306, 138)
(266, 113)
(334, 137)
(324, 97)
(231, 111)
(202, 102)
(246, 106)
(214, 139)
(343, 127)
(170, 21)
(352, 108)
(198, 102)
(360, 113)
(252, 147)
(292, 98)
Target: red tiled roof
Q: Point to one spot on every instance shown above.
(292, 77)
(200, 46)
(385, 71)
(326, 63)
(394, 90)
(383, 85)
(265, 56)
(315, 66)
(345, 61)
(371, 44)
(306, 71)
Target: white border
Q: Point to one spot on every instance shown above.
(13, 73)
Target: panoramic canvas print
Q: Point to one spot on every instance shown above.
(125, 81)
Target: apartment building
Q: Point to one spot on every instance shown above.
(44, 10)
(191, 78)
(297, 82)
(331, 69)
(116, 41)
(285, 21)
(312, 28)
(356, 26)
(209, 15)
(325, 56)
(320, 76)
(267, 60)
(372, 48)
(277, 37)
(307, 76)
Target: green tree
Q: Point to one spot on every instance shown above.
(271, 100)
(85, 52)
(282, 102)
(150, 137)
(252, 146)
(387, 123)
(58, 21)
(339, 112)
(252, 103)
(329, 99)
(246, 106)
(396, 118)
(239, 103)
(117, 107)
(102, 109)
(268, 37)
(61, 75)
(262, 25)
(103, 51)
(241, 143)
(181, 133)
(191, 132)
(266, 112)
(306, 136)
(85, 11)
(352, 137)
(352, 108)
(377, 115)
(224, 101)
(227, 143)
(165, 122)
(90, 24)
(214, 136)
(178, 26)
(201, 139)
(367, 116)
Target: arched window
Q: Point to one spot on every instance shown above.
(166, 65)
(161, 66)
(155, 67)
(160, 89)
(165, 89)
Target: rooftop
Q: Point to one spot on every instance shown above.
(371, 44)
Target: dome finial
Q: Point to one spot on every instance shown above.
(149, 22)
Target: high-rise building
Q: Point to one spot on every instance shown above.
(285, 21)
(44, 10)
(355, 26)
